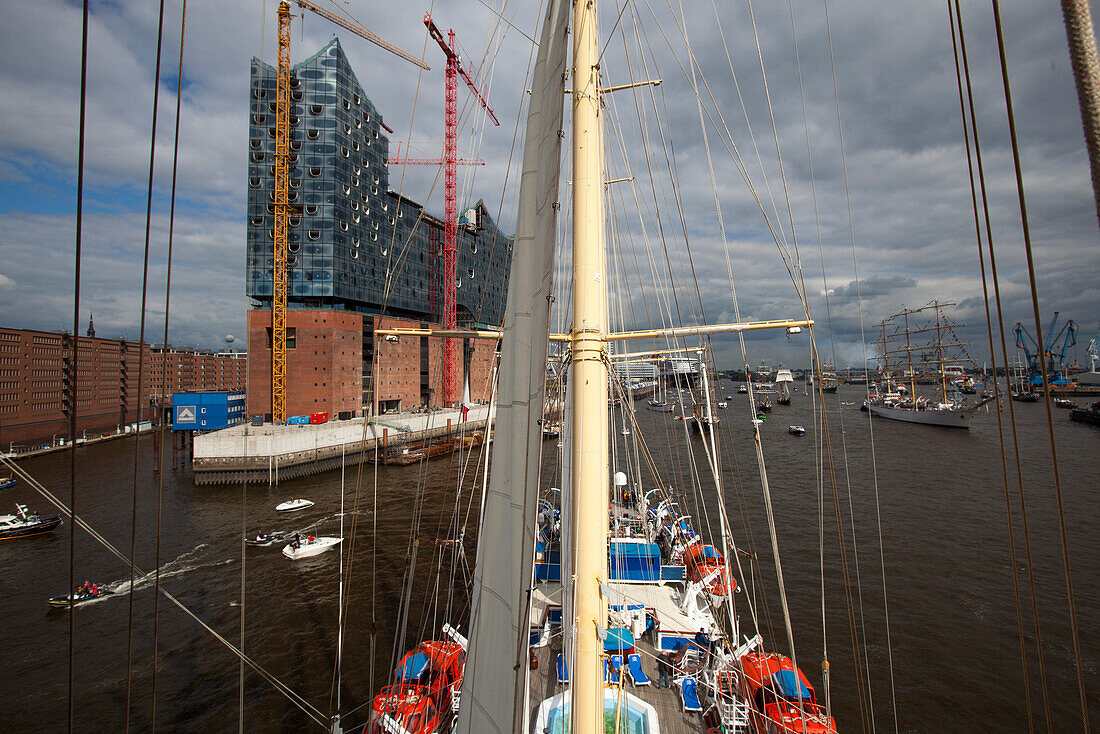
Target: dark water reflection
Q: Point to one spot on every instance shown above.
(953, 629)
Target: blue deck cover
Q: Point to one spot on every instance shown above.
(634, 561)
(788, 684)
(618, 638)
(414, 667)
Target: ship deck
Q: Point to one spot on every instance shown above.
(670, 713)
(544, 682)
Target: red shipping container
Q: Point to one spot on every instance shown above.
(318, 418)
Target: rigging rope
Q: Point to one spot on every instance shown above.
(295, 698)
(164, 383)
(953, 17)
(141, 367)
(73, 371)
(1043, 367)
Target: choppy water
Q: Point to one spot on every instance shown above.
(953, 629)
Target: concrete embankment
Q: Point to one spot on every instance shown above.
(271, 453)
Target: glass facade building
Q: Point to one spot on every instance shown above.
(353, 244)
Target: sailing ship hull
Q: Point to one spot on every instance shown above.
(943, 418)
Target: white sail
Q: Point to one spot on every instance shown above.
(493, 690)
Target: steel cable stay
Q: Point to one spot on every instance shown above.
(970, 128)
(50, 497)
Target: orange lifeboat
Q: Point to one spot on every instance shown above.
(410, 706)
(427, 677)
(781, 698)
(701, 561)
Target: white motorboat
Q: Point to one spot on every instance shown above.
(310, 546)
(723, 404)
(294, 503)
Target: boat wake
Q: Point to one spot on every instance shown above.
(184, 563)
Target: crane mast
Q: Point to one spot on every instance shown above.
(282, 166)
(450, 204)
(282, 217)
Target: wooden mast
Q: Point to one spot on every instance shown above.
(588, 378)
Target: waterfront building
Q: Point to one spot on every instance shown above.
(183, 369)
(37, 382)
(39, 387)
(360, 256)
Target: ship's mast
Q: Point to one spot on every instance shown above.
(588, 378)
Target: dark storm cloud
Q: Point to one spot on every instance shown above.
(871, 287)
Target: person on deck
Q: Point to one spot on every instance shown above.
(664, 671)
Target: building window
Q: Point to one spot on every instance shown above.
(313, 134)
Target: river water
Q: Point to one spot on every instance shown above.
(953, 639)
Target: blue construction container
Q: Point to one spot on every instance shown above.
(298, 420)
(206, 411)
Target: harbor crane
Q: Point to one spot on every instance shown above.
(1053, 353)
(282, 175)
(450, 195)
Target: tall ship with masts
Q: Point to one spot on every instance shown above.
(918, 346)
(629, 623)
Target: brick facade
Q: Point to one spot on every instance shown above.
(36, 385)
(187, 370)
(337, 364)
(324, 362)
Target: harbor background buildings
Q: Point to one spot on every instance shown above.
(361, 257)
(38, 385)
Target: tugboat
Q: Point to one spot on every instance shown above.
(24, 524)
(86, 593)
(1090, 414)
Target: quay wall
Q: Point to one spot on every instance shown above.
(270, 453)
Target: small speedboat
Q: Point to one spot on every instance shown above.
(86, 593)
(23, 523)
(293, 504)
(8, 481)
(742, 389)
(723, 404)
(1065, 403)
(265, 539)
(310, 546)
(796, 430)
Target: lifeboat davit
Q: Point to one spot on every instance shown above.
(781, 697)
(701, 561)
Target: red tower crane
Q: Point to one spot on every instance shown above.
(450, 190)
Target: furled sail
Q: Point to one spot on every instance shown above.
(493, 695)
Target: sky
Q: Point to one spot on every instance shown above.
(889, 209)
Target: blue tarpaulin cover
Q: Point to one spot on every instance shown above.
(789, 685)
(709, 551)
(618, 638)
(414, 667)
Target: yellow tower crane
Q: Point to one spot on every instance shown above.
(282, 166)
